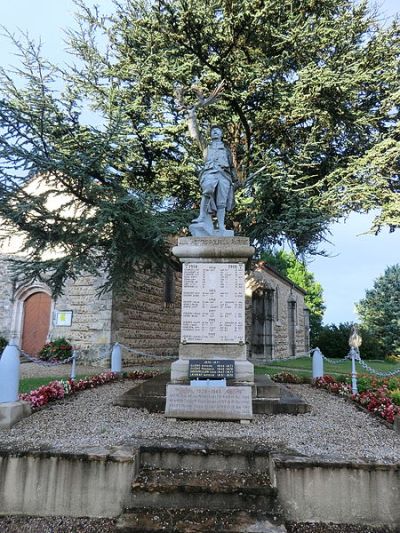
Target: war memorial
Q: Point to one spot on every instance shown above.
(203, 443)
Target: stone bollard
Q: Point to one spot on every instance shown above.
(116, 359)
(11, 408)
(317, 364)
(9, 374)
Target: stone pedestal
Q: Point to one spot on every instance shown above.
(213, 318)
(13, 412)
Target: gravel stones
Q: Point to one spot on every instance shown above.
(333, 428)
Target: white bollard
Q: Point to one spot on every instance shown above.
(317, 364)
(116, 358)
(9, 374)
(73, 366)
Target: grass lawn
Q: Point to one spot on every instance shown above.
(303, 367)
(28, 384)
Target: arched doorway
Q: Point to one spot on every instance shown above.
(262, 342)
(36, 322)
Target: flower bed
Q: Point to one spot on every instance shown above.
(56, 350)
(57, 390)
(376, 400)
(288, 377)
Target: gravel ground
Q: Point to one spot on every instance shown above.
(62, 524)
(334, 427)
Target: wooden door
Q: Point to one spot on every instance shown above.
(36, 323)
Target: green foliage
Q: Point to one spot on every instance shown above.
(288, 377)
(30, 384)
(58, 350)
(392, 358)
(287, 264)
(395, 396)
(333, 341)
(310, 102)
(379, 310)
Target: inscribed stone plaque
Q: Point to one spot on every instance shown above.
(223, 403)
(213, 303)
(211, 368)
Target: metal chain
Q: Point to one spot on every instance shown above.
(40, 362)
(333, 361)
(377, 373)
(81, 357)
(77, 355)
(144, 354)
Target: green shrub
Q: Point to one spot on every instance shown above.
(395, 396)
(333, 341)
(287, 377)
(393, 383)
(58, 350)
(392, 358)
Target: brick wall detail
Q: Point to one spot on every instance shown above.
(141, 318)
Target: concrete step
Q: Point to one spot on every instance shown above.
(264, 387)
(184, 489)
(196, 520)
(218, 455)
(268, 397)
(150, 395)
(288, 404)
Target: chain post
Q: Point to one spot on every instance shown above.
(116, 359)
(317, 364)
(9, 374)
(73, 366)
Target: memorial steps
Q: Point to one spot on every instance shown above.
(202, 487)
(268, 397)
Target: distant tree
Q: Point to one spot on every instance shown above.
(333, 341)
(309, 105)
(380, 310)
(287, 264)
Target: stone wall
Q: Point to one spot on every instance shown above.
(280, 291)
(91, 320)
(95, 482)
(147, 317)
(6, 298)
(327, 490)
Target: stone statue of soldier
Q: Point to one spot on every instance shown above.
(218, 178)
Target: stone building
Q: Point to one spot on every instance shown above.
(146, 317)
(277, 319)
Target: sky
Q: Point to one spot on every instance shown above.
(354, 260)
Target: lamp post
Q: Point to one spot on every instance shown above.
(355, 341)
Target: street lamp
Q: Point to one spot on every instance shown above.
(355, 341)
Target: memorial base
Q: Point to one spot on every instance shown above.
(209, 403)
(13, 412)
(213, 342)
(244, 372)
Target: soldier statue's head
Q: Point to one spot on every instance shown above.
(216, 133)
